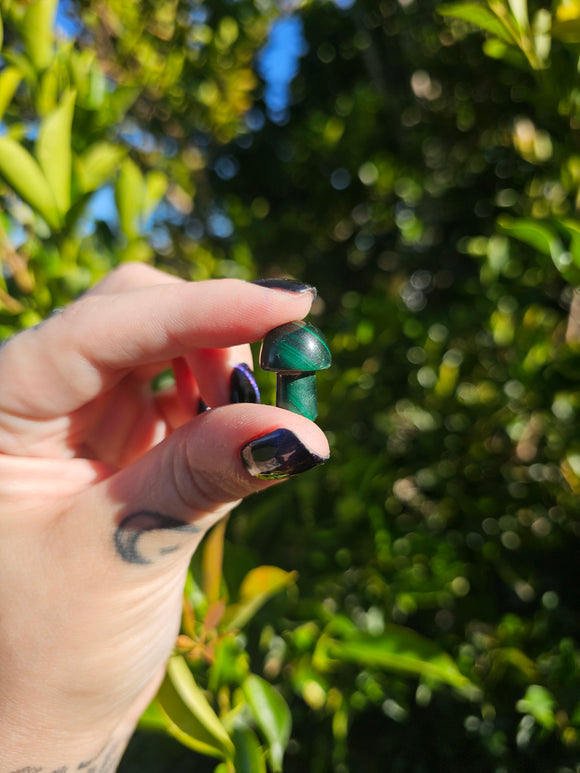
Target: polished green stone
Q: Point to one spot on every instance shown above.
(297, 393)
(297, 347)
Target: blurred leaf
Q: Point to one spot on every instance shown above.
(155, 188)
(53, 150)
(10, 78)
(24, 175)
(399, 649)
(1, 32)
(98, 164)
(538, 235)
(212, 561)
(271, 714)
(153, 718)
(129, 195)
(566, 24)
(480, 16)
(519, 8)
(258, 586)
(540, 703)
(37, 32)
(249, 754)
(189, 716)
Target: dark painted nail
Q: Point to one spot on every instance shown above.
(278, 454)
(202, 406)
(243, 387)
(289, 285)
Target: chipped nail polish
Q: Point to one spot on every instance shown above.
(289, 285)
(243, 387)
(279, 454)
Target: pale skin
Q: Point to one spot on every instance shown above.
(96, 470)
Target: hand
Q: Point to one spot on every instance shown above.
(106, 489)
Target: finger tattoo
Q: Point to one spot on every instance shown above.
(130, 536)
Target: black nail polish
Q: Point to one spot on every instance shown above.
(243, 387)
(289, 285)
(278, 454)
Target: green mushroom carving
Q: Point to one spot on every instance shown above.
(295, 351)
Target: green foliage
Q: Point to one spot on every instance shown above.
(421, 608)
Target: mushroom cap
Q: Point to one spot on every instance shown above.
(297, 347)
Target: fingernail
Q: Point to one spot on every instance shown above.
(202, 406)
(289, 285)
(243, 387)
(278, 454)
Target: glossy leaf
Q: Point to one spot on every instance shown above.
(24, 175)
(271, 714)
(10, 78)
(480, 16)
(257, 587)
(537, 234)
(519, 8)
(37, 32)
(212, 561)
(53, 150)
(249, 754)
(189, 716)
(129, 195)
(155, 188)
(153, 719)
(399, 649)
(98, 165)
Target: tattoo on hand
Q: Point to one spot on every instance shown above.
(106, 761)
(134, 527)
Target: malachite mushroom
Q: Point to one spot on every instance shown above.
(295, 351)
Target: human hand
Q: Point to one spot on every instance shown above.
(106, 489)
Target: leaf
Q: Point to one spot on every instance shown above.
(519, 8)
(566, 24)
(9, 81)
(271, 714)
(98, 164)
(540, 703)
(153, 718)
(399, 649)
(1, 32)
(189, 716)
(532, 232)
(53, 150)
(257, 587)
(249, 755)
(156, 184)
(480, 16)
(129, 194)
(212, 561)
(38, 32)
(24, 175)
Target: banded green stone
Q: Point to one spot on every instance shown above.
(295, 351)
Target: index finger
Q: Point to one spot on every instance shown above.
(58, 367)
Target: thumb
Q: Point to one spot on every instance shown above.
(157, 510)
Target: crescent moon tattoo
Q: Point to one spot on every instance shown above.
(133, 528)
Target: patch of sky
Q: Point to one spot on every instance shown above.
(102, 207)
(67, 21)
(219, 224)
(278, 64)
(226, 167)
(135, 136)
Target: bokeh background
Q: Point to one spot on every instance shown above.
(418, 162)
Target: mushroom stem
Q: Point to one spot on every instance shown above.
(297, 393)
